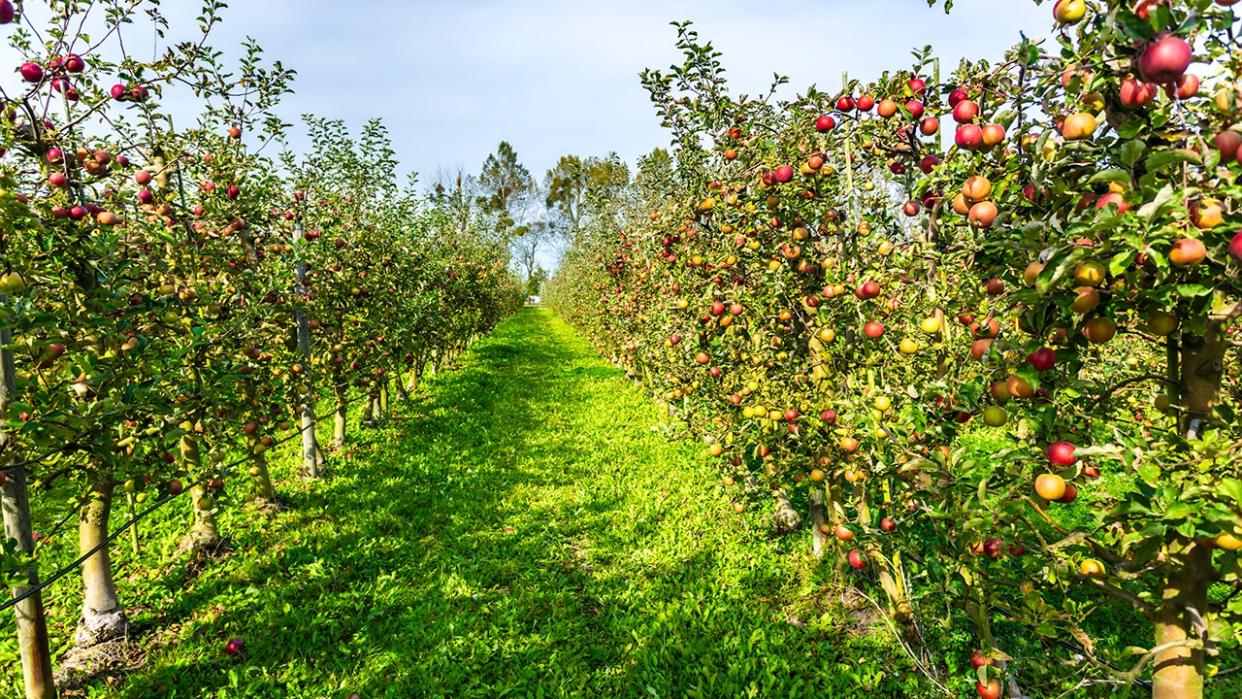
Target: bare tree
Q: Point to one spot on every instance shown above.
(528, 242)
(455, 191)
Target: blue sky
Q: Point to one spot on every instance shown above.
(453, 78)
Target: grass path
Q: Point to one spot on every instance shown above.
(521, 531)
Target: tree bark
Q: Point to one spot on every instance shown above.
(103, 618)
(265, 492)
(203, 532)
(31, 622)
(416, 376)
(1202, 363)
(1179, 620)
(403, 393)
(819, 521)
(1179, 669)
(312, 455)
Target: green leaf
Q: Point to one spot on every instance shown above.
(1178, 510)
(1131, 151)
(1150, 473)
(1233, 488)
(1110, 175)
(1121, 261)
(1165, 158)
(1193, 290)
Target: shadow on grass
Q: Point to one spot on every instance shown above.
(518, 531)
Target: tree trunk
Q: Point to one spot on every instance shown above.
(31, 622)
(1179, 669)
(103, 618)
(312, 456)
(891, 575)
(368, 418)
(203, 532)
(264, 491)
(819, 522)
(416, 376)
(1202, 363)
(1179, 619)
(403, 393)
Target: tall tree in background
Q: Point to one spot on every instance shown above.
(506, 188)
(581, 189)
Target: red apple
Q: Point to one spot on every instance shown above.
(1235, 246)
(991, 690)
(1164, 59)
(1115, 200)
(1062, 454)
(1135, 93)
(1071, 494)
(31, 72)
(1228, 143)
(1186, 86)
(969, 136)
(965, 111)
(1042, 359)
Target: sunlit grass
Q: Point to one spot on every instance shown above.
(518, 530)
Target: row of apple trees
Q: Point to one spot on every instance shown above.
(978, 329)
(175, 300)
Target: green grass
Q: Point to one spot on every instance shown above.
(519, 530)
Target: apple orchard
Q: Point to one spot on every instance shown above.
(976, 327)
(177, 300)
